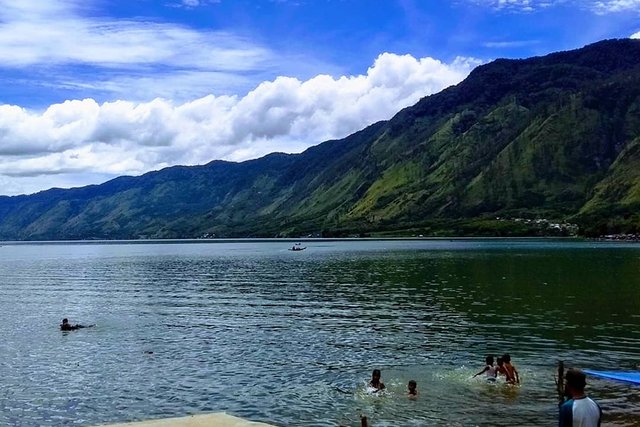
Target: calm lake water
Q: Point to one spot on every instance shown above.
(290, 338)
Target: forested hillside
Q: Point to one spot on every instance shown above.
(521, 147)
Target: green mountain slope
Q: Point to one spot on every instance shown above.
(554, 138)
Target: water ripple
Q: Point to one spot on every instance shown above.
(290, 339)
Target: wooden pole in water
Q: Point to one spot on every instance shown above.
(363, 421)
(560, 382)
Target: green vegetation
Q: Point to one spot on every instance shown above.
(520, 148)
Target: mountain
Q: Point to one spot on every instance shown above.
(520, 147)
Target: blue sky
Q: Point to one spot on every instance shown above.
(95, 89)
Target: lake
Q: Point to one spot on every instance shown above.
(291, 338)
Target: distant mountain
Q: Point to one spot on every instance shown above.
(521, 147)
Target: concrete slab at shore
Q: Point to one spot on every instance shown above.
(218, 419)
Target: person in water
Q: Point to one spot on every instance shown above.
(579, 410)
(500, 371)
(66, 326)
(489, 370)
(375, 380)
(412, 388)
(511, 372)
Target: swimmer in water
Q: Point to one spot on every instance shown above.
(500, 370)
(489, 370)
(510, 370)
(66, 326)
(375, 381)
(412, 388)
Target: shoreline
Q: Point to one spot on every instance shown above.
(287, 240)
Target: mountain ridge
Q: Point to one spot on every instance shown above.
(553, 137)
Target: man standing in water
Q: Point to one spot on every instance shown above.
(579, 410)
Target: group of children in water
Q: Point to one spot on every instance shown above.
(376, 385)
(503, 369)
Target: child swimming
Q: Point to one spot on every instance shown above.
(510, 370)
(500, 370)
(375, 382)
(412, 388)
(489, 370)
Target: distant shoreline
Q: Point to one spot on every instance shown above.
(287, 240)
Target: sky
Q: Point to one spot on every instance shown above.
(95, 89)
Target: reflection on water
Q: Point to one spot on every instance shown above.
(291, 338)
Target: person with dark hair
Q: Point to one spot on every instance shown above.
(412, 388)
(511, 372)
(375, 381)
(500, 371)
(489, 369)
(66, 326)
(579, 410)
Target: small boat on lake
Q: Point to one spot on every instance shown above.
(297, 247)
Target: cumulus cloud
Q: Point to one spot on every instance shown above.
(636, 35)
(81, 140)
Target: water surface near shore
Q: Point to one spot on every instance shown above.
(290, 338)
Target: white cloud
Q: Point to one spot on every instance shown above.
(78, 142)
(191, 4)
(635, 36)
(600, 7)
(518, 5)
(29, 36)
(123, 57)
(65, 45)
(176, 85)
(510, 44)
(614, 6)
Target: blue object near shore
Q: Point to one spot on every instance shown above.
(630, 377)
